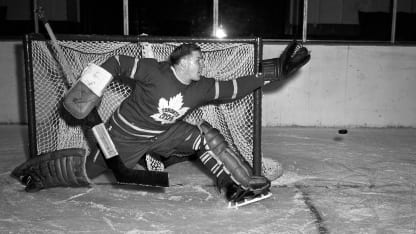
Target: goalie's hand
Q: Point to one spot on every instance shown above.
(294, 56)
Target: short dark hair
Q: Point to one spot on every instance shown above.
(181, 51)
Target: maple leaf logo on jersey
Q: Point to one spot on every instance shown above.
(170, 111)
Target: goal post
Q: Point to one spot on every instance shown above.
(224, 59)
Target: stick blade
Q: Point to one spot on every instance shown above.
(147, 178)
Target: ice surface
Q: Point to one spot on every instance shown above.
(361, 182)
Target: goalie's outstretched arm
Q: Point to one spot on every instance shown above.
(290, 60)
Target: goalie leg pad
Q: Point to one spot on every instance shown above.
(233, 164)
(61, 168)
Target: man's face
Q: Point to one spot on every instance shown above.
(194, 66)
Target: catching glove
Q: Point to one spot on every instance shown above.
(292, 58)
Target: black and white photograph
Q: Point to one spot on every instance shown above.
(208, 116)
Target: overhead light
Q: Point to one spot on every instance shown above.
(220, 32)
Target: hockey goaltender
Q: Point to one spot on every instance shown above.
(148, 124)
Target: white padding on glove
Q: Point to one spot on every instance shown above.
(87, 92)
(96, 78)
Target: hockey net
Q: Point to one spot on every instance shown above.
(49, 130)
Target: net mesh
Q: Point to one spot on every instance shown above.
(222, 60)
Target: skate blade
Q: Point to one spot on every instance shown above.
(247, 201)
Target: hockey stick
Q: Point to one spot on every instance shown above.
(123, 174)
(62, 60)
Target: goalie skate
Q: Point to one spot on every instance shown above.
(249, 200)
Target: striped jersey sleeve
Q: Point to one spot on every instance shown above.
(235, 89)
(127, 66)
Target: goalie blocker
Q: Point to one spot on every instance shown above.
(86, 93)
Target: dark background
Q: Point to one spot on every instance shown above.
(273, 19)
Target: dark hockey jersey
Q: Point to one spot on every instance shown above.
(159, 99)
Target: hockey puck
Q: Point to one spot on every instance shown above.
(343, 131)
